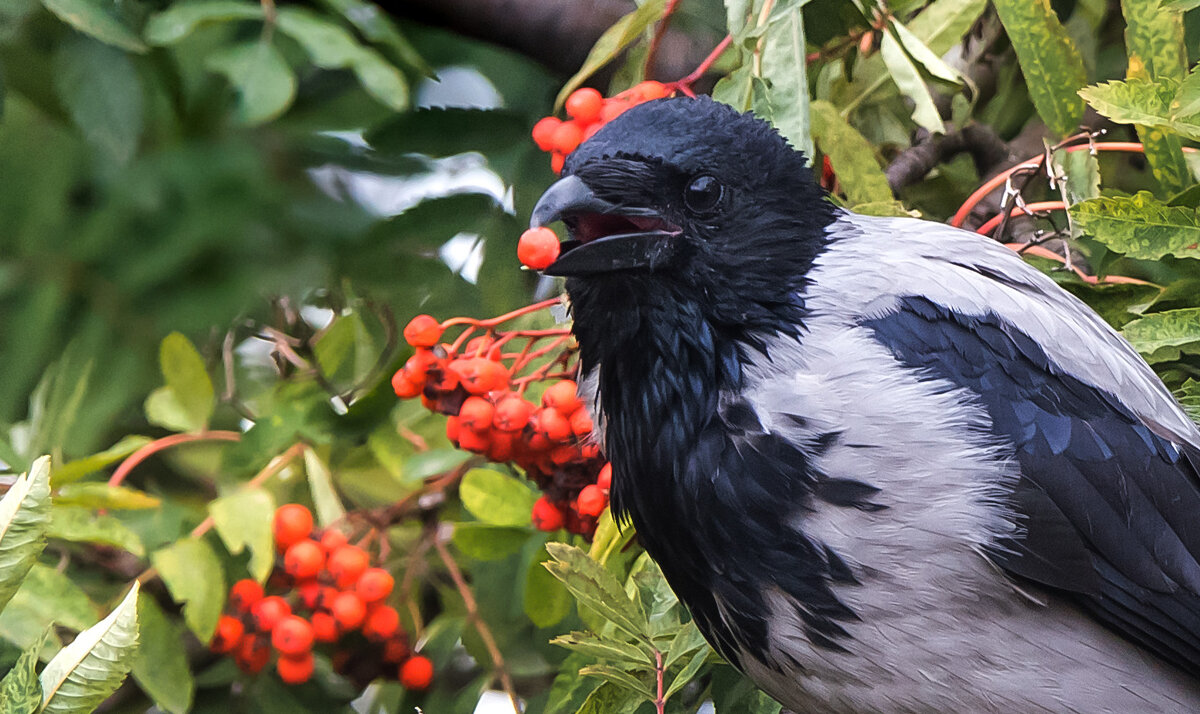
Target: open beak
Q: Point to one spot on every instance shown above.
(605, 237)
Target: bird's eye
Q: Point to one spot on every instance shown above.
(703, 194)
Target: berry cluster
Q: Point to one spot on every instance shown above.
(589, 110)
(326, 592)
(480, 384)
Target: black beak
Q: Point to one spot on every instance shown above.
(606, 237)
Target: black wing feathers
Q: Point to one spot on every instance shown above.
(1109, 511)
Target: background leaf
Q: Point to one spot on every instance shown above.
(20, 690)
(93, 17)
(495, 498)
(178, 21)
(911, 84)
(160, 666)
(785, 68)
(191, 571)
(264, 82)
(610, 44)
(329, 508)
(244, 521)
(84, 525)
(1052, 66)
(850, 154)
(99, 86)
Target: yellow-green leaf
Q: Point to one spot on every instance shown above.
(911, 84)
(160, 666)
(192, 573)
(852, 157)
(101, 495)
(1141, 226)
(20, 690)
(87, 671)
(243, 520)
(495, 498)
(616, 38)
(1173, 328)
(85, 525)
(24, 514)
(328, 506)
(597, 588)
(1052, 66)
(77, 469)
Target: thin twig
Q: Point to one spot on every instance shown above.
(661, 30)
(166, 442)
(485, 633)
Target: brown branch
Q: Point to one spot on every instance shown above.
(481, 627)
(987, 150)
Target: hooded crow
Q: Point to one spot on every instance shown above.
(888, 466)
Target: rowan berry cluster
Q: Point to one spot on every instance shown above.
(588, 111)
(323, 592)
(482, 383)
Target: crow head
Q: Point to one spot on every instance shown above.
(695, 199)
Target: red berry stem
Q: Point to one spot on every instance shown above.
(663, 23)
(500, 319)
(131, 462)
(685, 84)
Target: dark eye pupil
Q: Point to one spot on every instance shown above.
(702, 194)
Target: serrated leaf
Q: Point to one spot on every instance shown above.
(619, 677)
(611, 43)
(1052, 66)
(99, 87)
(1186, 101)
(265, 83)
(187, 377)
(784, 66)
(77, 469)
(101, 495)
(1173, 328)
(20, 690)
(87, 671)
(597, 588)
(1135, 101)
(92, 17)
(486, 542)
(243, 520)
(695, 662)
(607, 649)
(911, 84)
(686, 641)
(495, 498)
(1154, 40)
(1141, 226)
(609, 698)
(546, 600)
(24, 515)
(192, 573)
(851, 155)
(84, 525)
(180, 20)
(331, 47)
(160, 666)
(326, 503)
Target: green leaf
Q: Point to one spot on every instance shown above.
(495, 498)
(1181, 5)
(1154, 40)
(619, 677)
(243, 520)
(378, 27)
(606, 649)
(187, 378)
(733, 693)
(87, 671)
(736, 89)
(99, 87)
(84, 525)
(1141, 226)
(92, 17)
(441, 132)
(597, 588)
(1187, 98)
(160, 666)
(1052, 66)
(611, 42)
(47, 596)
(546, 600)
(180, 20)
(101, 495)
(20, 690)
(326, 503)
(785, 68)
(1134, 101)
(192, 573)
(1173, 328)
(852, 156)
(911, 84)
(924, 56)
(264, 81)
(331, 47)
(610, 698)
(77, 469)
(687, 673)
(485, 542)
(24, 514)
(686, 641)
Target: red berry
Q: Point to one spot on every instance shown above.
(422, 331)
(269, 611)
(382, 622)
(585, 104)
(292, 636)
(538, 248)
(563, 396)
(479, 375)
(604, 478)
(565, 454)
(416, 673)
(227, 635)
(591, 501)
(348, 611)
(417, 367)
(546, 515)
(396, 649)
(476, 414)
(404, 387)
(244, 594)
(553, 424)
(453, 429)
(650, 89)
(293, 523)
(252, 654)
(325, 628)
(512, 413)
(557, 161)
(567, 137)
(474, 441)
(303, 560)
(543, 132)
(333, 539)
(295, 670)
(613, 108)
(581, 423)
(374, 585)
(501, 446)
(346, 564)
